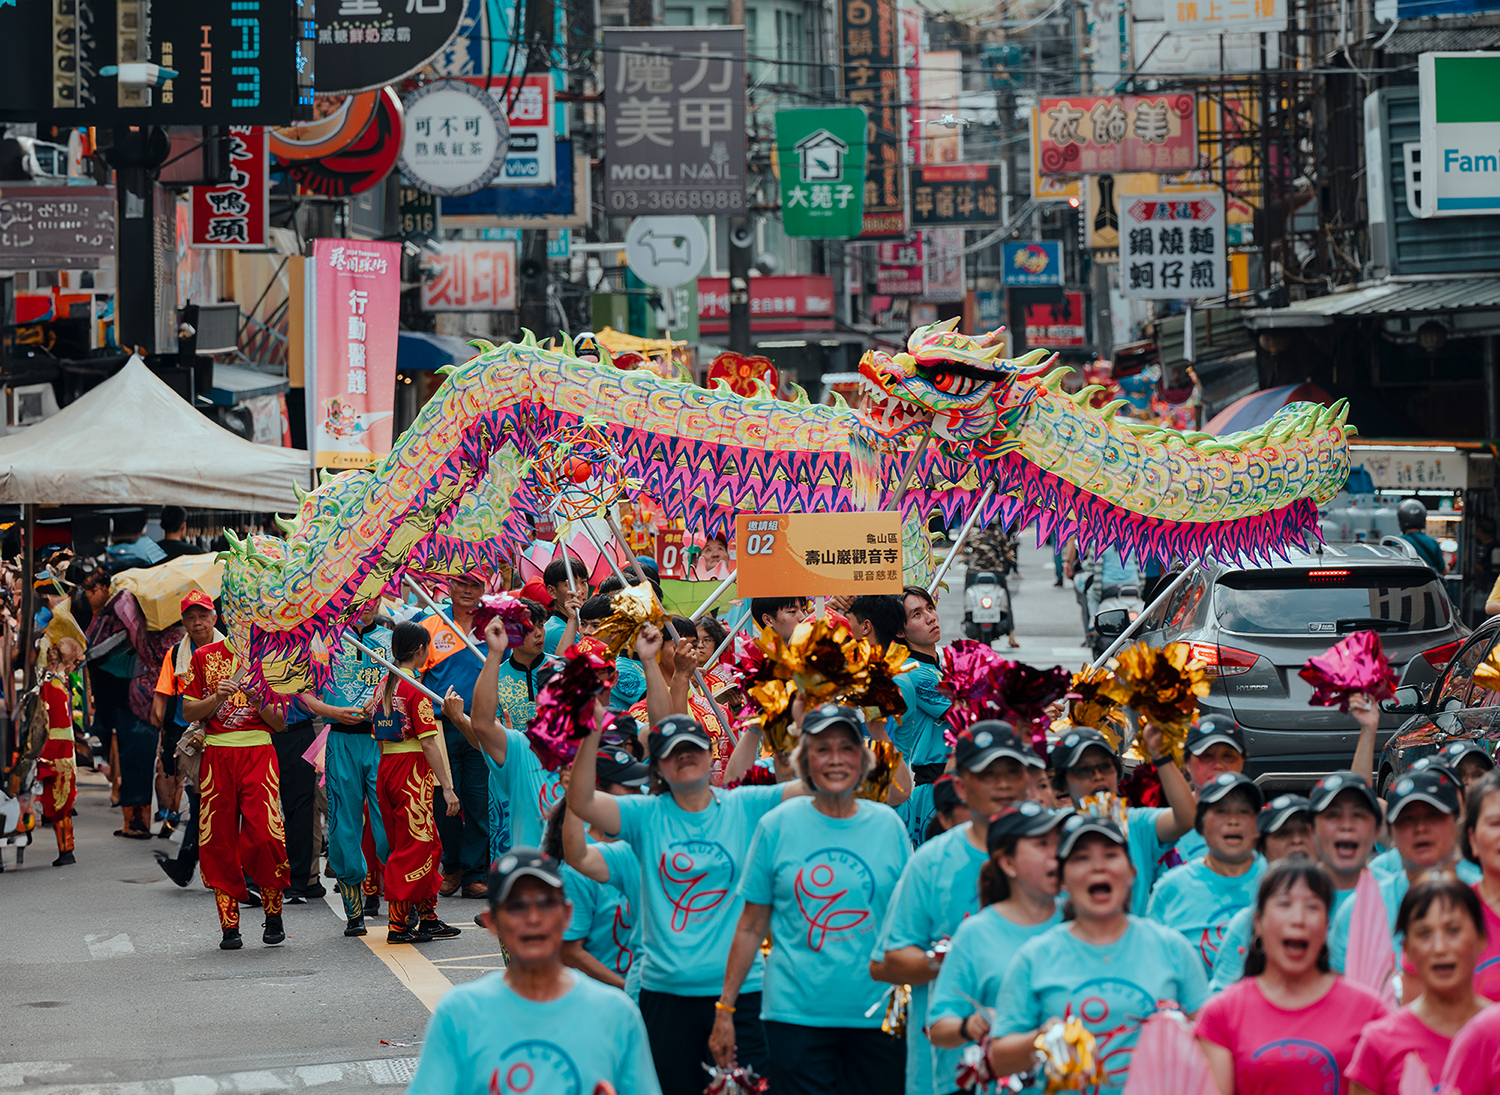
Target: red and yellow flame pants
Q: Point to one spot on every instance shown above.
(404, 785)
(58, 771)
(240, 829)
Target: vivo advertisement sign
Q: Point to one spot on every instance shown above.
(1460, 115)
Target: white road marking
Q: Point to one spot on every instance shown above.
(116, 946)
(388, 1072)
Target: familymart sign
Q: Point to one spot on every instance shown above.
(1460, 113)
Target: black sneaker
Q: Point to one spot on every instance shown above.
(252, 896)
(356, 926)
(436, 929)
(372, 904)
(64, 860)
(232, 940)
(293, 897)
(274, 932)
(313, 891)
(408, 935)
(479, 919)
(175, 869)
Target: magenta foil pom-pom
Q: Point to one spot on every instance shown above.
(565, 706)
(1353, 664)
(512, 612)
(972, 677)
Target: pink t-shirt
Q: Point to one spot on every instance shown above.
(1277, 1051)
(1487, 973)
(1381, 1053)
(1474, 1057)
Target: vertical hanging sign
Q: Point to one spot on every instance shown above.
(353, 300)
(236, 213)
(871, 78)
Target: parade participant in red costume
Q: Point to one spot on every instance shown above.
(239, 791)
(410, 756)
(62, 650)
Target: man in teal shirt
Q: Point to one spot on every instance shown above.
(921, 732)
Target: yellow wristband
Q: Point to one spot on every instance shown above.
(721, 1006)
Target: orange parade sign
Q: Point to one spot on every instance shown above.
(818, 554)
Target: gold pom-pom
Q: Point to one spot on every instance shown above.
(1090, 705)
(1163, 686)
(630, 610)
(877, 785)
(1072, 1060)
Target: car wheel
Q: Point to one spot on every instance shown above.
(1382, 781)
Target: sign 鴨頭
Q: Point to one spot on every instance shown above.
(821, 154)
(868, 75)
(818, 554)
(1460, 115)
(353, 302)
(236, 213)
(472, 276)
(956, 195)
(1031, 262)
(366, 44)
(1085, 135)
(674, 141)
(455, 138)
(1056, 326)
(1172, 246)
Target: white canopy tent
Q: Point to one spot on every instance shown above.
(134, 441)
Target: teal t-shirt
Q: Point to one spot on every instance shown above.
(1199, 903)
(919, 732)
(1190, 846)
(938, 889)
(690, 869)
(625, 878)
(526, 787)
(1113, 988)
(602, 919)
(983, 948)
(828, 881)
(630, 687)
(553, 630)
(1146, 852)
(1235, 945)
(484, 1037)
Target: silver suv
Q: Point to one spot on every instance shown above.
(1256, 627)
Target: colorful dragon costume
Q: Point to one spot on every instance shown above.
(454, 491)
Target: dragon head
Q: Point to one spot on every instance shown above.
(957, 384)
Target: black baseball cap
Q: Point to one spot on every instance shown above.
(945, 796)
(828, 715)
(978, 746)
(1211, 729)
(1077, 826)
(675, 730)
(1437, 786)
(1456, 751)
(616, 765)
(1281, 809)
(1424, 764)
(1221, 787)
(1026, 818)
(520, 863)
(1334, 784)
(1070, 747)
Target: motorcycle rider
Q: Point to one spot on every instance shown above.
(1411, 517)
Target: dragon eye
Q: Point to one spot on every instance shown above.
(953, 384)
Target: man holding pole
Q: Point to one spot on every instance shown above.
(451, 664)
(919, 734)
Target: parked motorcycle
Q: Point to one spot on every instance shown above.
(987, 609)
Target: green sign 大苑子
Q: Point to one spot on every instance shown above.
(821, 156)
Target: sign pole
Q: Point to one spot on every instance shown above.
(714, 596)
(911, 469)
(959, 541)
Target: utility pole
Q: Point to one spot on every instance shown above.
(531, 265)
(741, 241)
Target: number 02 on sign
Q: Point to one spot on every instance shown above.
(818, 554)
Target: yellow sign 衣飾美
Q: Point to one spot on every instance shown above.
(818, 554)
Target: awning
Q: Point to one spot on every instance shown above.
(1250, 411)
(418, 351)
(1441, 39)
(1390, 298)
(233, 384)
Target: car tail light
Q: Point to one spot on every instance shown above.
(1326, 575)
(1439, 656)
(1223, 661)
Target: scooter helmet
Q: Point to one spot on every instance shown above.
(1411, 514)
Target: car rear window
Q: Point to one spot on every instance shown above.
(1331, 601)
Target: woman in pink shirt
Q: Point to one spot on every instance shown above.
(1291, 1025)
(1443, 930)
(1481, 844)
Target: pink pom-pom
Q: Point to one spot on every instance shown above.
(511, 611)
(1353, 664)
(564, 708)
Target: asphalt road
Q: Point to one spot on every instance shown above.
(114, 983)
